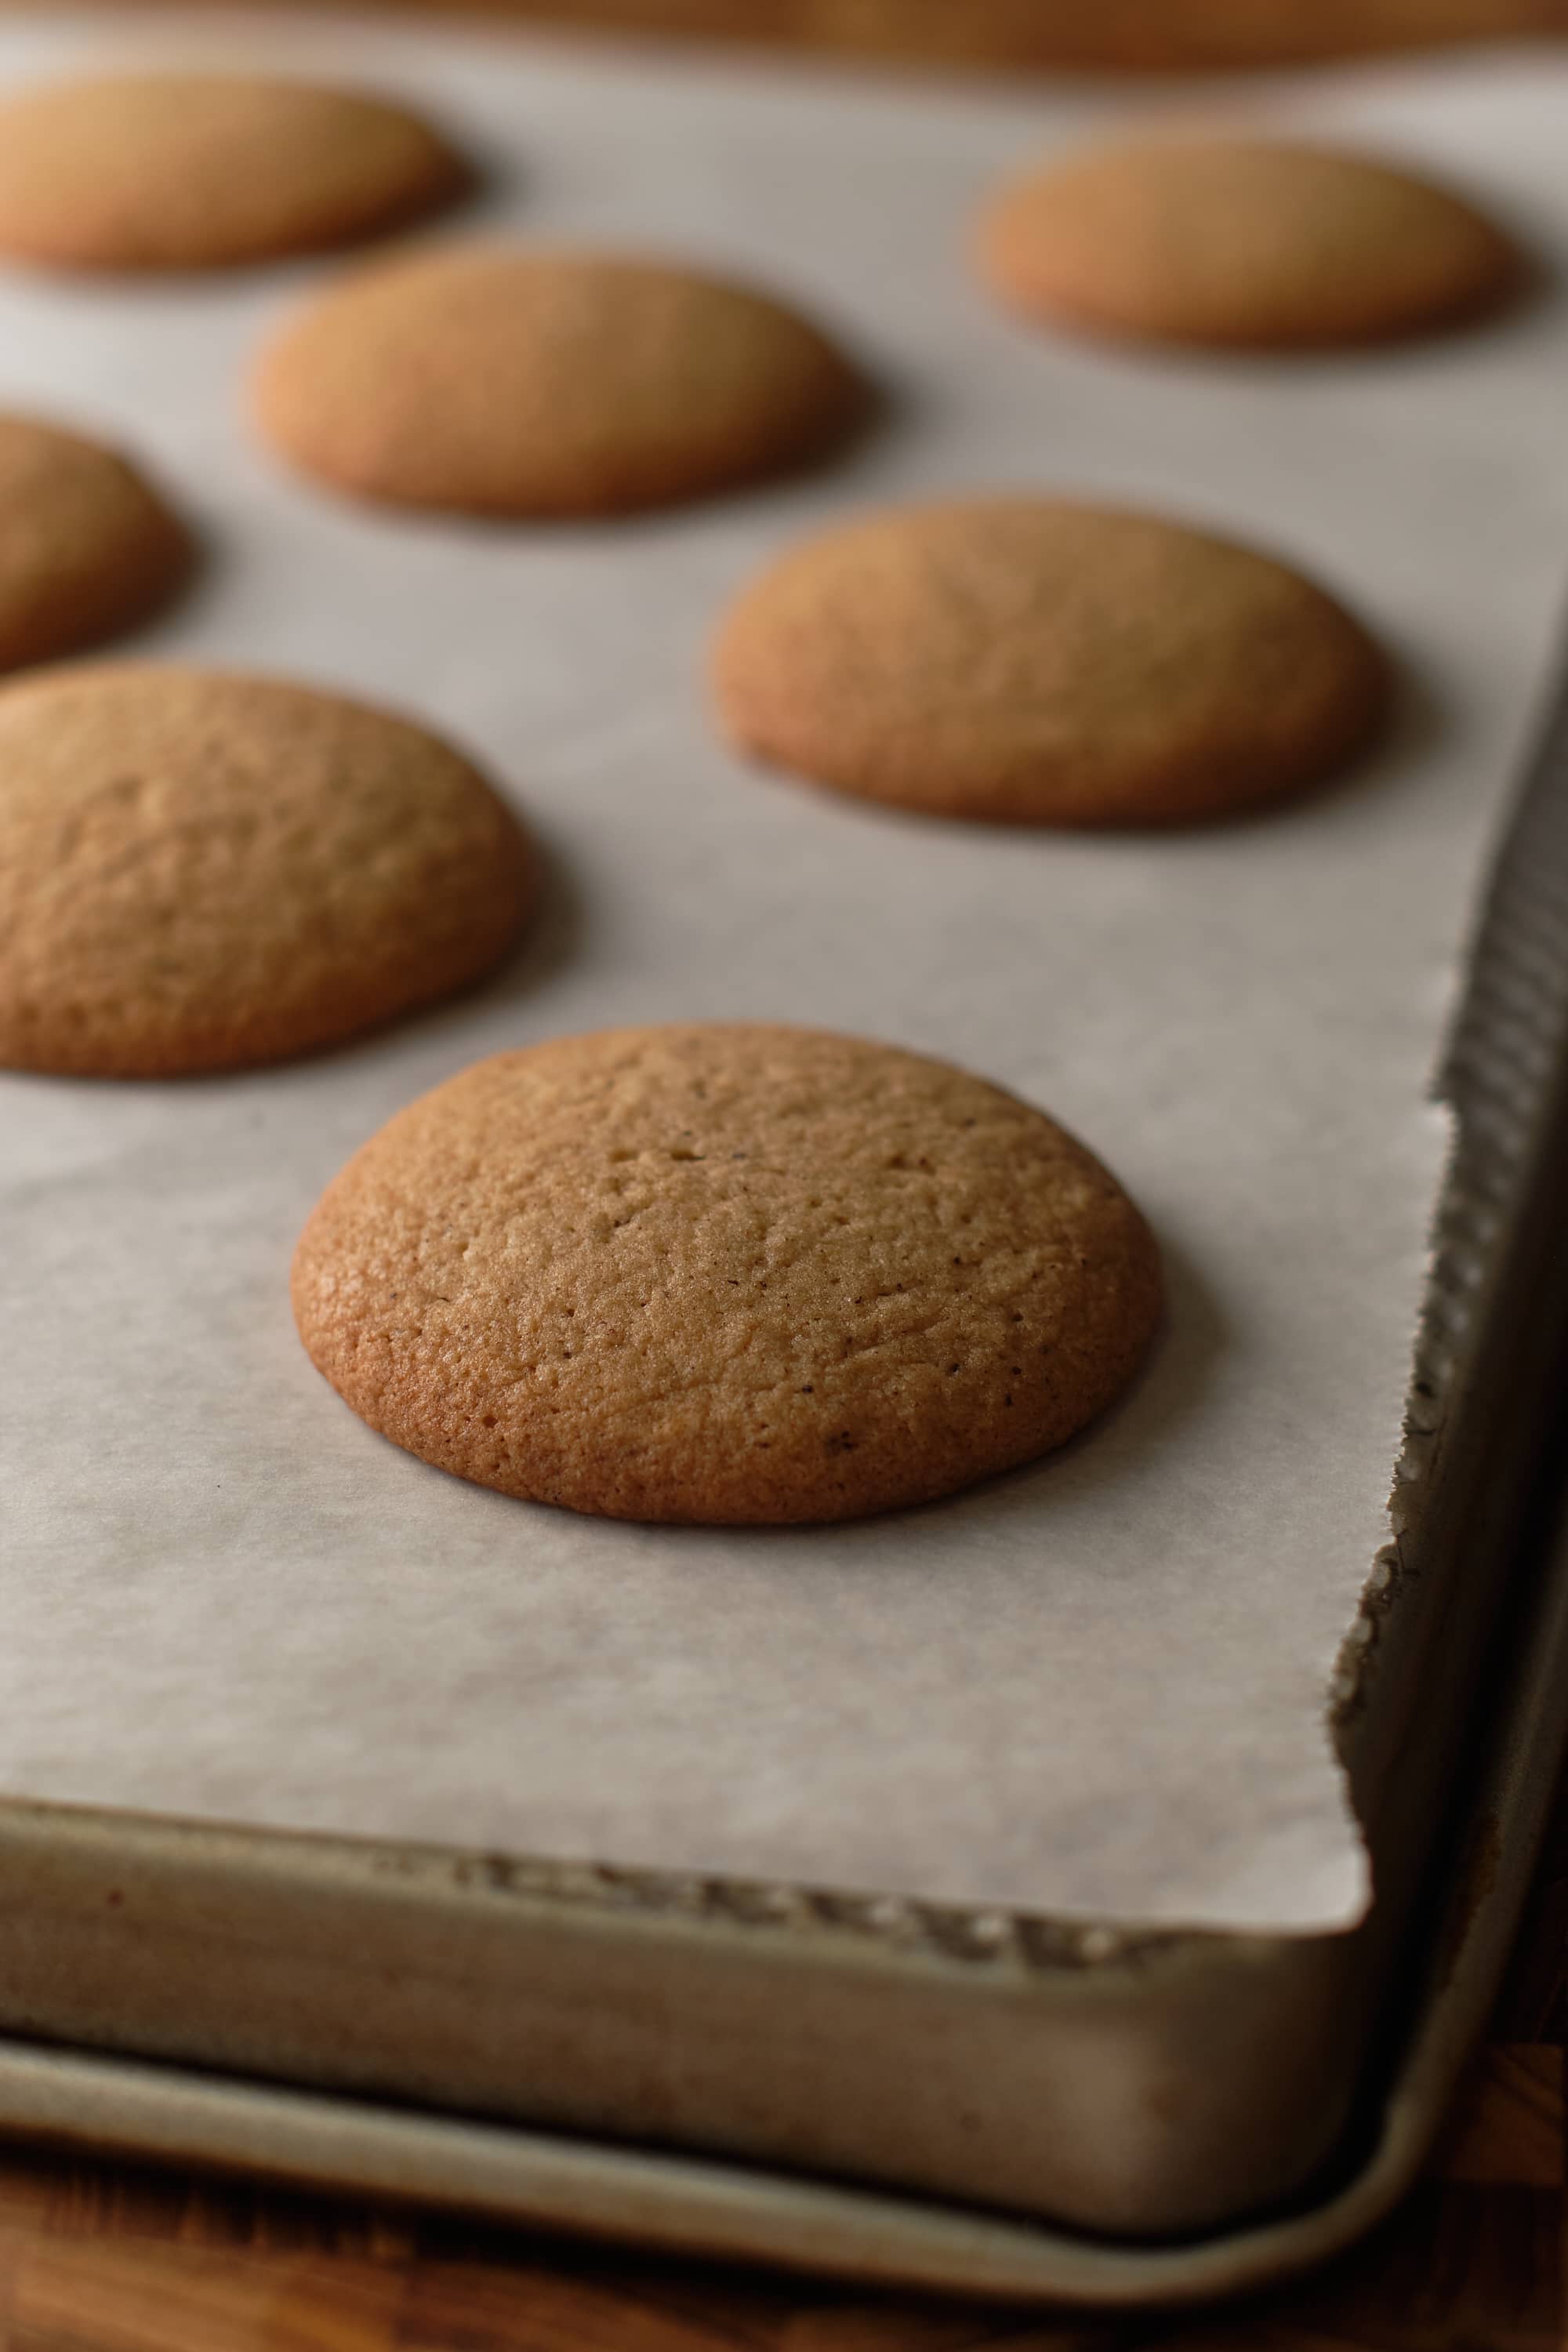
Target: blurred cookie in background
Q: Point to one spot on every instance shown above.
(202, 170)
(87, 546)
(1242, 243)
(1030, 661)
(500, 379)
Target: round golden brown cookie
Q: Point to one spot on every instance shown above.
(1244, 242)
(1029, 662)
(200, 871)
(86, 547)
(194, 171)
(493, 380)
(724, 1275)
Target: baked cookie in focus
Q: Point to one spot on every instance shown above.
(197, 170)
(1029, 661)
(1250, 243)
(86, 547)
(502, 380)
(730, 1275)
(200, 871)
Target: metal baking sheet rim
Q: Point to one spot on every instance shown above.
(703, 2207)
(1255, 2118)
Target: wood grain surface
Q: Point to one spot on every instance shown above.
(1117, 35)
(112, 2258)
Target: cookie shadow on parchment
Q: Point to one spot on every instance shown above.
(154, 634)
(1382, 773)
(1394, 764)
(1389, 767)
(434, 1032)
(1147, 1420)
(552, 941)
(898, 404)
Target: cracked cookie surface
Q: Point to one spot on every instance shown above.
(200, 871)
(724, 1274)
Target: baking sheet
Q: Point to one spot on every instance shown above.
(1096, 1686)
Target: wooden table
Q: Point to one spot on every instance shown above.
(1045, 35)
(112, 2258)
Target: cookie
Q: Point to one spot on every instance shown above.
(1241, 242)
(724, 1275)
(86, 547)
(493, 380)
(200, 871)
(195, 171)
(1030, 662)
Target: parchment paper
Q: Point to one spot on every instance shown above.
(1095, 1686)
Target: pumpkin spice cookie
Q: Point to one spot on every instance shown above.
(502, 380)
(197, 170)
(201, 871)
(724, 1275)
(86, 547)
(1241, 242)
(1025, 661)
